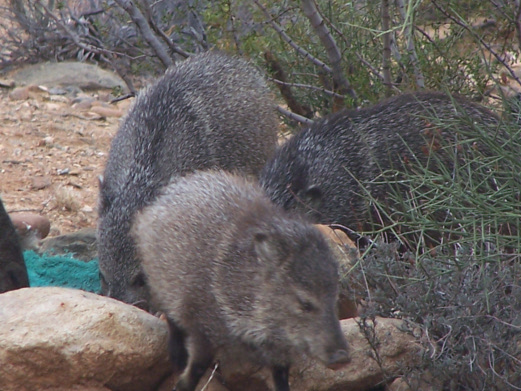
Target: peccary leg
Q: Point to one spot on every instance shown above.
(200, 357)
(176, 347)
(281, 378)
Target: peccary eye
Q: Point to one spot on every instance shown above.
(14, 278)
(139, 281)
(306, 306)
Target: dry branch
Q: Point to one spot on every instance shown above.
(294, 116)
(386, 55)
(332, 50)
(409, 33)
(290, 41)
(171, 45)
(280, 78)
(141, 22)
(517, 21)
(366, 63)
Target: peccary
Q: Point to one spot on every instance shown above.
(320, 170)
(210, 111)
(13, 273)
(238, 277)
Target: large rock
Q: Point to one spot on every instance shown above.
(58, 338)
(68, 73)
(31, 228)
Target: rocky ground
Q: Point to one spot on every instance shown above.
(53, 147)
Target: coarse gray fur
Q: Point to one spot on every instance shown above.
(210, 111)
(319, 170)
(238, 277)
(13, 273)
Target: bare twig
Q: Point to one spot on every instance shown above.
(517, 21)
(409, 33)
(332, 50)
(386, 54)
(92, 13)
(290, 41)
(279, 77)
(216, 366)
(347, 43)
(293, 116)
(308, 86)
(171, 45)
(140, 21)
(122, 97)
(235, 36)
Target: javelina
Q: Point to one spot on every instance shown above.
(13, 273)
(210, 111)
(237, 276)
(319, 170)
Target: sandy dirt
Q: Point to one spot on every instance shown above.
(51, 154)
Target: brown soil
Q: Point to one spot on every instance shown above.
(51, 154)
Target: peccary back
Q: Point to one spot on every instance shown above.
(238, 277)
(210, 111)
(13, 273)
(319, 171)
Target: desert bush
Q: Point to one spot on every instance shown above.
(468, 310)
(453, 262)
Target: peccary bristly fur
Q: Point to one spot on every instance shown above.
(210, 111)
(238, 277)
(13, 273)
(319, 170)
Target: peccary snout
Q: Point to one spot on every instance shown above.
(338, 359)
(337, 351)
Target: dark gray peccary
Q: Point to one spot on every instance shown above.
(319, 170)
(13, 273)
(210, 111)
(238, 277)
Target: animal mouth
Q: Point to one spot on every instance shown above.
(141, 304)
(337, 366)
(338, 360)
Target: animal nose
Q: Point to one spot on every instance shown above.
(338, 359)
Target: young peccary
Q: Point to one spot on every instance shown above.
(319, 171)
(210, 111)
(13, 273)
(238, 277)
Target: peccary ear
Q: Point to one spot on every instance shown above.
(104, 200)
(312, 197)
(103, 203)
(267, 247)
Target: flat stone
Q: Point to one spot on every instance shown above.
(69, 73)
(80, 244)
(40, 182)
(31, 224)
